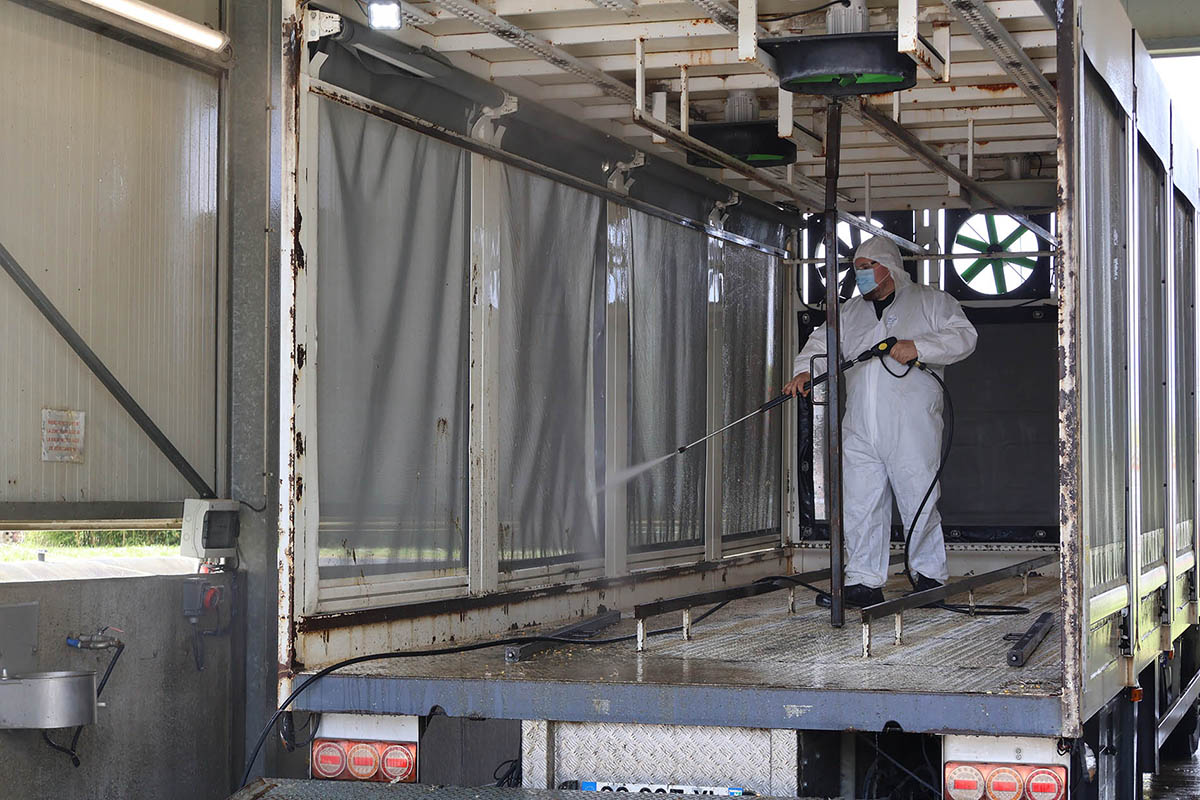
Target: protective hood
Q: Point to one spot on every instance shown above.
(885, 252)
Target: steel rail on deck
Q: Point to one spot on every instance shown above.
(969, 584)
(687, 602)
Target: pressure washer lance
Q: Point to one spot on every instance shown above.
(877, 351)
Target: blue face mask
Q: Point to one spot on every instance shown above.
(865, 278)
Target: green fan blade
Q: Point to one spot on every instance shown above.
(975, 244)
(976, 267)
(880, 77)
(991, 228)
(1012, 237)
(998, 273)
(1023, 262)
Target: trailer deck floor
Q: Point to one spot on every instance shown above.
(751, 651)
(755, 642)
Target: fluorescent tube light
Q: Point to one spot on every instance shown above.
(165, 22)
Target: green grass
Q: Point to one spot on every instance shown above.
(62, 545)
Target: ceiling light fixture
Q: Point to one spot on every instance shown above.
(384, 15)
(165, 22)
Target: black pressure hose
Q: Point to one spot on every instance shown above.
(947, 442)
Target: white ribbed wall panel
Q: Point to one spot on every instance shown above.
(108, 176)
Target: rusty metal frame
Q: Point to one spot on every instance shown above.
(292, 353)
(1071, 567)
(1012, 58)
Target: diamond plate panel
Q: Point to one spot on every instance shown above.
(760, 760)
(536, 749)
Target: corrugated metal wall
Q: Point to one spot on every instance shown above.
(109, 164)
(1151, 365)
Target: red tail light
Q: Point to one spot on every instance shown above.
(1044, 784)
(387, 762)
(962, 781)
(328, 760)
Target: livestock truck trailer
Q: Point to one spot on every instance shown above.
(531, 247)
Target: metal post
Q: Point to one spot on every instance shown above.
(833, 453)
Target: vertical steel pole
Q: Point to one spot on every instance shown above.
(833, 348)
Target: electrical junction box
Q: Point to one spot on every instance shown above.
(210, 529)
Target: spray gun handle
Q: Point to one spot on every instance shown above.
(880, 350)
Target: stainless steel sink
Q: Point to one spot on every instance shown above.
(47, 699)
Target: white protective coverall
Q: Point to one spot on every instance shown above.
(892, 429)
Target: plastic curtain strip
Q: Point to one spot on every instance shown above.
(553, 260)
(668, 380)
(392, 361)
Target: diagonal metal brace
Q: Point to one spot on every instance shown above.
(102, 373)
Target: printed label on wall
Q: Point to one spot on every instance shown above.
(62, 435)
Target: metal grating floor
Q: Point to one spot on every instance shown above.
(291, 789)
(755, 643)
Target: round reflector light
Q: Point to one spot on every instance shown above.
(964, 783)
(397, 763)
(1043, 784)
(1004, 784)
(363, 761)
(328, 760)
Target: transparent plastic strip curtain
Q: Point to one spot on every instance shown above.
(1103, 276)
(752, 373)
(552, 267)
(668, 382)
(1152, 259)
(1185, 365)
(392, 355)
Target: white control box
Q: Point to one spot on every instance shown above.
(210, 529)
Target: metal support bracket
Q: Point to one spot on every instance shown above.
(618, 177)
(321, 24)
(718, 215)
(910, 42)
(492, 114)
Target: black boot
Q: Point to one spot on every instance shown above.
(855, 595)
(925, 584)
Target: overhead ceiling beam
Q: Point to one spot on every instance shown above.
(890, 129)
(701, 34)
(1009, 54)
(525, 40)
(669, 62)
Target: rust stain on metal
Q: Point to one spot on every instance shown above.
(299, 444)
(503, 600)
(996, 88)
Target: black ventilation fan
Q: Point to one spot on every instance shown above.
(983, 267)
(756, 142)
(842, 64)
(849, 238)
